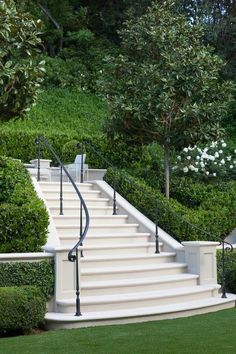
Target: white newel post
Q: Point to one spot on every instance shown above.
(201, 259)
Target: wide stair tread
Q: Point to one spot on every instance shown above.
(143, 311)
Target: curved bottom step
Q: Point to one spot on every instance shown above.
(176, 310)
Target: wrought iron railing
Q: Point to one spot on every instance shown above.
(73, 255)
(226, 246)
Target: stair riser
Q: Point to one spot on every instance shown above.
(104, 241)
(118, 251)
(131, 275)
(72, 194)
(85, 291)
(76, 203)
(127, 262)
(76, 211)
(94, 230)
(66, 187)
(96, 307)
(94, 221)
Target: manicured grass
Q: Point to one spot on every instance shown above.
(212, 334)
(64, 110)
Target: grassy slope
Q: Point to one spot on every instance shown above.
(212, 334)
(63, 110)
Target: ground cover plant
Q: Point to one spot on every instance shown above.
(212, 333)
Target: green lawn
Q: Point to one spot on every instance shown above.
(212, 333)
(64, 110)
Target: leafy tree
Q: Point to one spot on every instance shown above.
(165, 85)
(20, 74)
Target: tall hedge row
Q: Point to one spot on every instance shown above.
(23, 216)
(214, 219)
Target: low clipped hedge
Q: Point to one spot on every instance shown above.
(40, 274)
(230, 270)
(23, 216)
(21, 309)
(210, 222)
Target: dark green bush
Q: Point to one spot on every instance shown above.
(230, 266)
(40, 274)
(21, 309)
(23, 216)
(210, 223)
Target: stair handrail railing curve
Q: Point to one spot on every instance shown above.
(73, 255)
(226, 246)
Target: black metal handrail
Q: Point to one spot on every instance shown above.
(226, 247)
(73, 253)
(187, 224)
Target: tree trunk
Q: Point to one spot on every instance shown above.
(167, 171)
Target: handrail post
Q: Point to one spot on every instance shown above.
(78, 312)
(223, 284)
(114, 203)
(37, 142)
(82, 164)
(61, 192)
(157, 239)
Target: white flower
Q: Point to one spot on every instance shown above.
(202, 164)
(235, 151)
(231, 166)
(197, 163)
(188, 157)
(215, 163)
(211, 157)
(191, 167)
(224, 145)
(205, 150)
(228, 158)
(222, 161)
(196, 169)
(185, 150)
(217, 154)
(185, 169)
(220, 151)
(214, 174)
(222, 141)
(207, 173)
(178, 157)
(198, 157)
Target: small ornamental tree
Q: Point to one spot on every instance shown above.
(20, 74)
(165, 85)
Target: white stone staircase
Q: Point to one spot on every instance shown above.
(122, 280)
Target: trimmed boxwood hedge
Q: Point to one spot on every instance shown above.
(230, 268)
(21, 309)
(214, 219)
(23, 216)
(40, 274)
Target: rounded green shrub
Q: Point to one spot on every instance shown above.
(21, 309)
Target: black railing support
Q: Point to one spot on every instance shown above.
(157, 240)
(114, 203)
(78, 312)
(38, 153)
(61, 192)
(229, 248)
(82, 165)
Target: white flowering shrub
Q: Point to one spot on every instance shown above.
(214, 160)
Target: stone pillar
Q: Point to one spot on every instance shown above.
(201, 259)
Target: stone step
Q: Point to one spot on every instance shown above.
(115, 229)
(107, 240)
(75, 202)
(142, 314)
(126, 260)
(135, 300)
(71, 194)
(123, 286)
(67, 186)
(64, 220)
(75, 211)
(130, 272)
(126, 248)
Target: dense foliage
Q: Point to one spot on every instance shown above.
(20, 74)
(230, 268)
(21, 309)
(212, 219)
(39, 274)
(23, 217)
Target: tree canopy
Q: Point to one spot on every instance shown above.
(165, 86)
